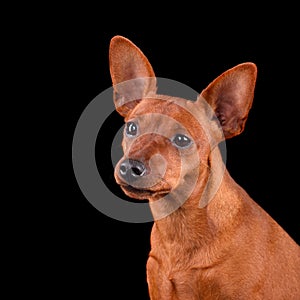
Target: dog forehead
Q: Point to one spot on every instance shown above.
(164, 105)
(184, 113)
(159, 123)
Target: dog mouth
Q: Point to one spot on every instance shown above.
(143, 194)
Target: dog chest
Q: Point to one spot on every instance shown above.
(167, 280)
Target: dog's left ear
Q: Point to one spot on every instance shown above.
(132, 75)
(230, 95)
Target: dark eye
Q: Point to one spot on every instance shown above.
(131, 129)
(181, 141)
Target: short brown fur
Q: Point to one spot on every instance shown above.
(229, 248)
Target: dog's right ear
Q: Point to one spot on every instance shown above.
(132, 75)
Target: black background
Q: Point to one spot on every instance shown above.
(101, 256)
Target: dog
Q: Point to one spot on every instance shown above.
(209, 239)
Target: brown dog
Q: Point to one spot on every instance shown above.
(210, 240)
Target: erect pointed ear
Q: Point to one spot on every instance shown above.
(230, 95)
(132, 75)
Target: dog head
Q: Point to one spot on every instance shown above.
(168, 141)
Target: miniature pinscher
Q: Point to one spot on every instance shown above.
(209, 239)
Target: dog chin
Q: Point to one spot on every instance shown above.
(141, 194)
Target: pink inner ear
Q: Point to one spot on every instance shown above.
(231, 95)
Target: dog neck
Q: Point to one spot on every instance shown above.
(198, 222)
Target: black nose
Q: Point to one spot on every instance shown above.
(131, 170)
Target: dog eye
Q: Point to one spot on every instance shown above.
(181, 141)
(131, 129)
